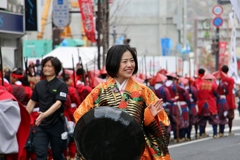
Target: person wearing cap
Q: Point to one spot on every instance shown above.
(19, 86)
(31, 69)
(21, 91)
(175, 108)
(163, 93)
(193, 110)
(184, 101)
(207, 97)
(123, 92)
(230, 97)
(50, 93)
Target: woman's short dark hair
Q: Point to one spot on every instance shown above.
(114, 56)
(55, 63)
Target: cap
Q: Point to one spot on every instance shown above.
(208, 76)
(160, 78)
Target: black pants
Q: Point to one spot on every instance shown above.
(53, 135)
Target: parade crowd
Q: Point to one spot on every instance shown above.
(190, 102)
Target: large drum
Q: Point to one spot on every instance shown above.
(107, 133)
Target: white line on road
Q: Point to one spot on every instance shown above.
(195, 141)
(190, 142)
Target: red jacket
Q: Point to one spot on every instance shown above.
(73, 93)
(207, 94)
(230, 96)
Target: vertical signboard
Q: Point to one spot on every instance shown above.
(61, 17)
(31, 15)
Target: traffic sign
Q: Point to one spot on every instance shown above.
(217, 10)
(61, 17)
(217, 21)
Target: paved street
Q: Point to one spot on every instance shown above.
(226, 148)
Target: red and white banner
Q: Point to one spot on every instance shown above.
(233, 68)
(223, 57)
(86, 8)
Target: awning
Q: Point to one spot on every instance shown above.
(75, 42)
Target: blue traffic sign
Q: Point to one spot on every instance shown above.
(217, 21)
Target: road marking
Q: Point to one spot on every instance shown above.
(190, 142)
(234, 128)
(196, 141)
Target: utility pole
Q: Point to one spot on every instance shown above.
(217, 50)
(184, 23)
(103, 30)
(105, 27)
(99, 39)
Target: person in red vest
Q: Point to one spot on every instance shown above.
(207, 95)
(83, 90)
(176, 117)
(16, 128)
(230, 97)
(19, 86)
(193, 110)
(75, 99)
(222, 106)
(70, 109)
(162, 92)
(184, 102)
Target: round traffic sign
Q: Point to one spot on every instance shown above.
(217, 10)
(217, 21)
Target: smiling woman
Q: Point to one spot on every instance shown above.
(123, 92)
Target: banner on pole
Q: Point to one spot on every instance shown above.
(233, 59)
(236, 7)
(86, 8)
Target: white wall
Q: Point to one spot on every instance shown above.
(3, 4)
(8, 57)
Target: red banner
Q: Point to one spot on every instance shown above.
(86, 8)
(223, 57)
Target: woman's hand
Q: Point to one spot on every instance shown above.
(156, 107)
(41, 116)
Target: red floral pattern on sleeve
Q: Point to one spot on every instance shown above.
(135, 94)
(123, 105)
(95, 94)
